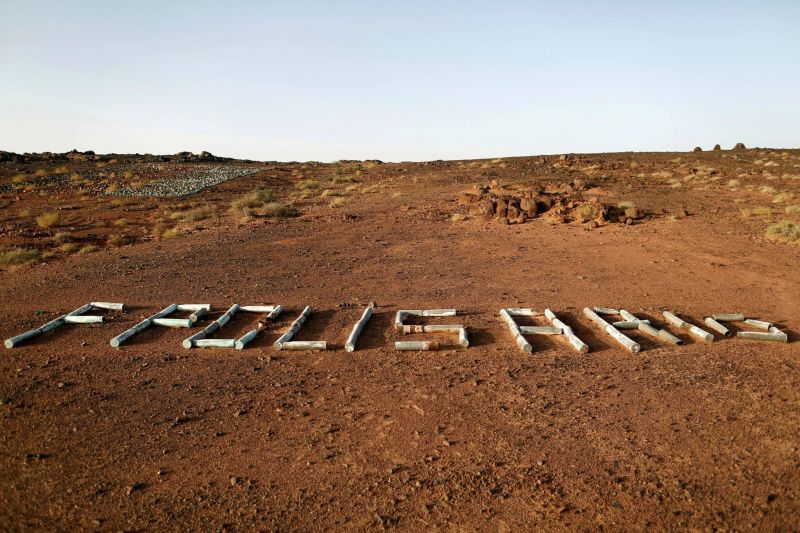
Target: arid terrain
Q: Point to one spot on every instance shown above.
(152, 436)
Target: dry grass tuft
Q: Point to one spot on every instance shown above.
(19, 256)
(782, 197)
(119, 240)
(194, 215)
(792, 209)
(337, 202)
(278, 209)
(164, 232)
(48, 220)
(784, 231)
(19, 178)
(121, 222)
(371, 189)
(69, 247)
(308, 185)
(458, 217)
(89, 248)
(757, 212)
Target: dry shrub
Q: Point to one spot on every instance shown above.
(784, 231)
(792, 209)
(60, 170)
(371, 189)
(69, 247)
(344, 179)
(458, 217)
(19, 256)
(586, 212)
(48, 220)
(63, 236)
(336, 202)
(19, 178)
(40, 172)
(111, 189)
(625, 205)
(261, 202)
(767, 190)
(330, 192)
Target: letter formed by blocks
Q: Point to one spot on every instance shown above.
(557, 327)
(73, 317)
(459, 330)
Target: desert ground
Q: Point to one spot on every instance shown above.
(153, 436)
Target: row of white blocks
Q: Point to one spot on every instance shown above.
(769, 332)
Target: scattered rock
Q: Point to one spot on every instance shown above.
(134, 487)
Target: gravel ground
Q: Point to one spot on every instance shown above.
(195, 180)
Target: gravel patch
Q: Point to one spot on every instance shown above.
(191, 182)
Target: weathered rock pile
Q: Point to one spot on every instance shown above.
(563, 204)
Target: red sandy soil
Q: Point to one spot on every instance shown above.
(155, 437)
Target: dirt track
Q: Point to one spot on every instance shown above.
(152, 436)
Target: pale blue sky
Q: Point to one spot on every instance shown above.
(411, 80)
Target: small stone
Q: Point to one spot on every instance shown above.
(234, 480)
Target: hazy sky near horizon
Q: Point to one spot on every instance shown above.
(413, 80)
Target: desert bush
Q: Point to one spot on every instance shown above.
(336, 202)
(767, 190)
(371, 189)
(458, 217)
(784, 231)
(344, 179)
(351, 188)
(625, 205)
(121, 222)
(330, 192)
(63, 236)
(48, 220)
(262, 202)
(18, 256)
(792, 209)
(60, 170)
(40, 172)
(19, 178)
(69, 247)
